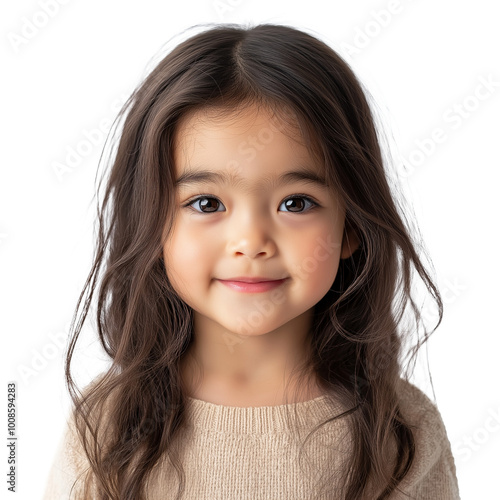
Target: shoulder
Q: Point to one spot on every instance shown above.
(433, 471)
(71, 436)
(70, 463)
(426, 423)
(420, 411)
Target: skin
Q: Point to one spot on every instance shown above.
(247, 345)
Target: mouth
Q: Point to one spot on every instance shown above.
(257, 279)
(253, 285)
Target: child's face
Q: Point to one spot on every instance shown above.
(250, 227)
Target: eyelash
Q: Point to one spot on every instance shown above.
(314, 203)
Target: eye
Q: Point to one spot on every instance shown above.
(292, 204)
(209, 204)
(204, 204)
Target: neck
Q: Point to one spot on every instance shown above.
(270, 368)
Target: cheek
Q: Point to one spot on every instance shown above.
(322, 264)
(184, 257)
(317, 257)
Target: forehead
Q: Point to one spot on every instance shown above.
(248, 135)
(239, 117)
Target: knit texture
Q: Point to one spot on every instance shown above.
(253, 453)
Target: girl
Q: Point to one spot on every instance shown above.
(251, 254)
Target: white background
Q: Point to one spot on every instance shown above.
(422, 62)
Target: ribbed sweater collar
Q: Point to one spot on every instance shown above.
(259, 419)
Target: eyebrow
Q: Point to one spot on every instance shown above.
(207, 176)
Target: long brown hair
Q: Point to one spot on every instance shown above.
(145, 328)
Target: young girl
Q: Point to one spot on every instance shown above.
(255, 271)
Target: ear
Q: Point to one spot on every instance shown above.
(350, 242)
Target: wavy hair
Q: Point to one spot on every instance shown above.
(357, 337)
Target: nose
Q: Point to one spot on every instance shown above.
(251, 235)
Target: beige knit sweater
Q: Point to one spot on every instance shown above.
(252, 453)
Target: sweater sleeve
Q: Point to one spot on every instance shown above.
(70, 464)
(433, 473)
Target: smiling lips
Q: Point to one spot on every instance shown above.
(252, 285)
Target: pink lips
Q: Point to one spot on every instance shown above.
(252, 285)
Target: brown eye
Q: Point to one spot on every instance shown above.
(296, 203)
(207, 204)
